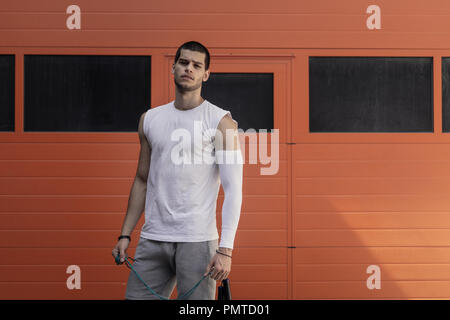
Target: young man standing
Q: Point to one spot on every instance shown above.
(179, 241)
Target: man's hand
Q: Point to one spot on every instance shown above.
(121, 247)
(220, 265)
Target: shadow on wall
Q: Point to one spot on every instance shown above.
(339, 255)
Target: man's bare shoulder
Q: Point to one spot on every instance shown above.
(226, 134)
(227, 122)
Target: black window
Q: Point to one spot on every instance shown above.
(86, 93)
(248, 96)
(7, 86)
(445, 94)
(371, 94)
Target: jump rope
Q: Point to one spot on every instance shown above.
(223, 294)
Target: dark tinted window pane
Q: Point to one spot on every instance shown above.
(445, 94)
(86, 93)
(248, 96)
(371, 94)
(7, 92)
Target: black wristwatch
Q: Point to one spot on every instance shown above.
(122, 236)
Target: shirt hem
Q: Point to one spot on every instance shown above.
(186, 238)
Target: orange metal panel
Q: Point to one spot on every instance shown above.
(372, 255)
(372, 220)
(346, 201)
(357, 272)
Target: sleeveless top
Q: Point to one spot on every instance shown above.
(183, 181)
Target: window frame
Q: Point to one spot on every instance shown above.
(300, 94)
(69, 63)
(19, 135)
(369, 64)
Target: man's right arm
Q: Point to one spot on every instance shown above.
(136, 200)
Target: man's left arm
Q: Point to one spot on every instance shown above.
(230, 163)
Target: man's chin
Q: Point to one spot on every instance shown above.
(184, 88)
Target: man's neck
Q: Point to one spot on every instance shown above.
(187, 101)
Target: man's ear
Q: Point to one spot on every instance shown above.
(206, 76)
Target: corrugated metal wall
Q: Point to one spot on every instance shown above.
(339, 203)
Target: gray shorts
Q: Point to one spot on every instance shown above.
(162, 265)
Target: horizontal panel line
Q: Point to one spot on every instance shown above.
(61, 229)
(134, 161)
(351, 247)
(240, 247)
(61, 213)
(57, 265)
(58, 229)
(106, 212)
(169, 29)
(36, 135)
(428, 49)
(304, 195)
(332, 31)
(133, 247)
(114, 265)
(243, 265)
(245, 247)
(61, 196)
(239, 265)
(377, 177)
(363, 229)
(374, 134)
(367, 212)
(378, 263)
(370, 212)
(69, 160)
(81, 230)
(120, 282)
(68, 177)
(115, 196)
(59, 282)
(381, 161)
(112, 245)
(379, 297)
(362, 195)
(122, 213)
(110, 230)
(372, 178)
(102, 178)
(215, 13)
(364, 281)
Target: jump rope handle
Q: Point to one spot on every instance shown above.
(117, 259)
(224, 290)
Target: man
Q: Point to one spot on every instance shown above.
(179, 240)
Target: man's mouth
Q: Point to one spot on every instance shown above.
(186, 77)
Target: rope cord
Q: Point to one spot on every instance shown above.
(184, 296)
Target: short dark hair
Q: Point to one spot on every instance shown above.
(194, 46)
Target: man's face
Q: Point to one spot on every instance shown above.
(189, 71)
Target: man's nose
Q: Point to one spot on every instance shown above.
(188, 67)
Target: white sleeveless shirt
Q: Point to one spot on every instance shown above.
(180, 204)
